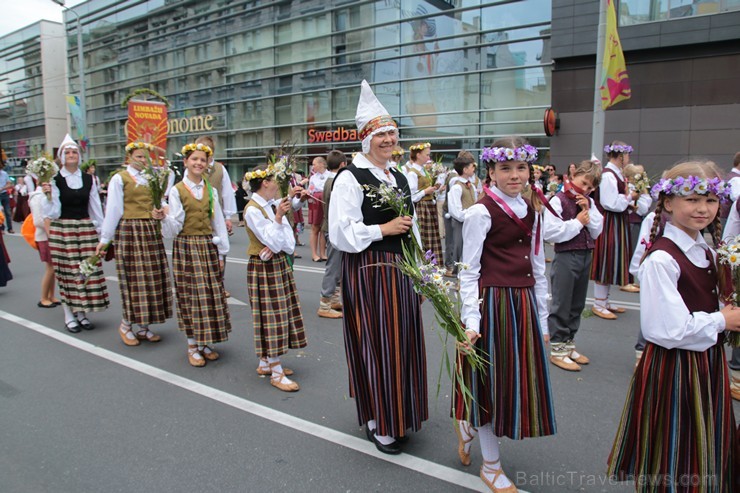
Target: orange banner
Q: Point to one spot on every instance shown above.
(147, 122)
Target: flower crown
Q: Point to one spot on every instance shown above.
(618, 148)
(526, 153)
(685, 186)
(398, 152)
(139, 145)
(420, 147)
(196, 147)
(537, 167)
(258, 174)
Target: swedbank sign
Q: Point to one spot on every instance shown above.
(341, 134)
(191, 124)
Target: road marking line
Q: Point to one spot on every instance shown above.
(423, 466)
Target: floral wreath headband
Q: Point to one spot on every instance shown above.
(525, 153)
(618, 148)
(398, 152)
(685, 186)
(537, 167)
(258, 174)
(139, 145)
(196, 147)
(420, 147)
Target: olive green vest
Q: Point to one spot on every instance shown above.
(424, 183)
(255, 245)
(137, 201)
(214, 175)
(197, 221)
(468, 194)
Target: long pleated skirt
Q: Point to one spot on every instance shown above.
(71, 241)
(384, 342)
(143, 272)
(202, 312)
(431, 239)
(677, 431)
(5, 274)
(276, 310)
(514, 393)
(612, 251)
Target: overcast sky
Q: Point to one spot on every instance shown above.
(20, 13)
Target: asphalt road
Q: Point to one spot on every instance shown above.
(84, 413)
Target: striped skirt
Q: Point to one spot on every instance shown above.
(384, 341)
(143, 272)
(276, 310)
(426, 215)
(514, 393)
(71, 241)
(677, 427)
(202, 311)
(612, 251)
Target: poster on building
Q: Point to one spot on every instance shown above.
(147, 122)
(78, 119)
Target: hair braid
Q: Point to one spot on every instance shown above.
(654, 229)
(534, 196)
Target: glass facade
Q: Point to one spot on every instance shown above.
(639, 11)
(456, 73)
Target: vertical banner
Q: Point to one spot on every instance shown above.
(147, 122)
(615, 83)
(75, 112)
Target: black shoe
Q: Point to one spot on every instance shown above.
(369, 433)
(86, 324)
(73, 327)
(402, 439)
(392, 448)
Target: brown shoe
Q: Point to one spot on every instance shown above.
(565, 363)
(578, 357)
(266, 371)
(209, 354)
(123, 331)
(462, 442)
(603, 313)
(276, 381)
(144, 335)
(193, 359)
(326, 311)
(615, 309)
(630, 288)
(336, 302)
(488, 467)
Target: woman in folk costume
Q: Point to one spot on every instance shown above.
(612, 251)
(132, 222)
(422, 194)
(76, 218)
(383, 333)
(276, 310)
(502, 244)
(196, 222)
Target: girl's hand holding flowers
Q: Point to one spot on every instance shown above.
(158, 214)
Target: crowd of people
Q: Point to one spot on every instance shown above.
(678, 419)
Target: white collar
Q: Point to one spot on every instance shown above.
(192, 184)
(464, 180)
(133, 171)
(360, 161)
(65, 172)
(261, 200)
(683, 240)
(735, 170)
(509, 200)
(616, 169)
(416, 166)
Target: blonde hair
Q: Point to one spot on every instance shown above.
(632, 170)
(589, 169)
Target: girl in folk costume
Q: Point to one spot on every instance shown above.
(276, 310)
(503, 246)
(612, 249)
(383, 333)
(132, 222)
(76, 218)
(422, 194)
(677, 431)
(634, 173)
(196, 222)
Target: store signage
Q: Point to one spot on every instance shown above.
(193, 124)
(341, 134)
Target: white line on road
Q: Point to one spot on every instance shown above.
(407, 461)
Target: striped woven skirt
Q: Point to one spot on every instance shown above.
(612, 251)
(426, 215)
(276, 310)
(143, 272)
(514, 393)
(71, 241)
(677, 431)
(202, 311)
(5, 274)
(384, 342)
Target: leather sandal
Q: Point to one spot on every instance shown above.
(462, 442)
(276, 381)
(264, 371)
(615, 309)
(488, 466)
(602, 312)
(197, 362)
(209, 354)
(143, 335)
(123, 331)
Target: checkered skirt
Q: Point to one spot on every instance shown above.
(71, 241)
(202, 311)
(276, 310)
(426, 215)
(143, 272)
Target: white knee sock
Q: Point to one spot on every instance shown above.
(468, 432)
(385, 440)
(490, 450)
(68, 315)
(191, 342)
(601, 295)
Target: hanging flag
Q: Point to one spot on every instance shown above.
(75, 111)
(615, 83)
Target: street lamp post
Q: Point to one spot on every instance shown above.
(81, 66)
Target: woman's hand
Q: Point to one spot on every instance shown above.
(46, 188)
(99, 250)
(732, 318)
(158, 214)
(266, 254)
(397, 226)
(468, 345)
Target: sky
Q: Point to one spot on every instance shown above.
(21, 13)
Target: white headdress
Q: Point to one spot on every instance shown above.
(67, 142)
(371, 117)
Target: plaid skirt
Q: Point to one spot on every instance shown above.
(514, 393)
(71, 241)
(426, 215)
(276, 310)
(612, 251)
(143, 272)
(202, 311)
(677, 431)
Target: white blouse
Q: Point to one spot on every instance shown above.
(609, 195)
(53, 209)
(732, 227)
(475, 228)
(226, 191)
(278, 237)
(645, 227)
(114, 203)
(557, 230)
(454, 198)
(37, 202)
(664, 317)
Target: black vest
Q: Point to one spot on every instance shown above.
(74, 202)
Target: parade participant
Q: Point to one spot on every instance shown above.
(330, 305)
(383, 333)
(197, 223)
(276, 310)
(450, 256)
(504, 309)
(5, 274)
(612, 249)
(37, 203)
(731, 231)
(316, 209)
(678, 424)
(637, 213)
(573, 233)
(132, 223)
(5, 187)
(422, 194)
(460, 198)
(734, 180)
(76, 218)
(397, 157)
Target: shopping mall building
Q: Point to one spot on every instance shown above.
(456, 73)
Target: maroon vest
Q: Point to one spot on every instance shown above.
(697, 285)
(583, 240)
(505, 260)
(621, 188)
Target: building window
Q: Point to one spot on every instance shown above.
(639, 11)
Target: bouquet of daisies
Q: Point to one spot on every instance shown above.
(90, 266)
(641, 183)
(729, 269)
(552, 188)
(434, 169)
(282, 166)
(44, 168)
(157, 171)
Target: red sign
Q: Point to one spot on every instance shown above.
(147, 122)
(341, 134)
